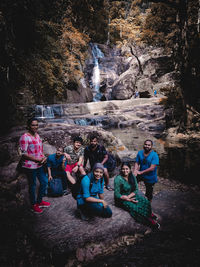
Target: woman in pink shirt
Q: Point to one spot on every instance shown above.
(32, 163)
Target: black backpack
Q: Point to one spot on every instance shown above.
(111, 162)
(76, 188)
(55, 187)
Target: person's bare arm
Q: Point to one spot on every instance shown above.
(98, 200)
(104, 159)
(49, 173)
(63, 164)
(151, 168)
(136, 169)
(80, 161)
(37, 160)
(67, 156)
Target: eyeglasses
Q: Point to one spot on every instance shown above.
(34, 125)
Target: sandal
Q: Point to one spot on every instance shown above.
(109, 188)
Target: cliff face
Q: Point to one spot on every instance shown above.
(45, 45)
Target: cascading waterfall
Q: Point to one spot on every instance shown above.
(96, 53)
(43, 112)
(108, 34)
(48, 112)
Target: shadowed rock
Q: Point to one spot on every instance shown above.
(65, 236)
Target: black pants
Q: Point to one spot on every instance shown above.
(148, 186)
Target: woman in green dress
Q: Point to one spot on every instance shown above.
(127, 197)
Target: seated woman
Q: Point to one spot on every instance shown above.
(127, 197)
(91, 201)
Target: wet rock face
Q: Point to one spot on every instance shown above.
(146, 114)
(124, 73)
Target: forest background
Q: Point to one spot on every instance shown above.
(44, 47)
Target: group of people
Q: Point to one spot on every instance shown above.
(90, 199)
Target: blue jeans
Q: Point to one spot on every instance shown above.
(32, 174)
(95, 209)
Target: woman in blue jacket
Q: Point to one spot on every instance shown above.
(90, 200)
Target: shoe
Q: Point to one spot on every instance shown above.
(81, 215)
(109, 188)
(44, 204)
(36, 208)
(154, 225)
(66, 192)
(153, 216)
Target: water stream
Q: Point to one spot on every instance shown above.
(97, 54)
(48, 111)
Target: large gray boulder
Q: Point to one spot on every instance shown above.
(53, 135)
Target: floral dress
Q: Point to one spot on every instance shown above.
(141, 210)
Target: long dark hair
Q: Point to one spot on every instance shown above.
(131, 179)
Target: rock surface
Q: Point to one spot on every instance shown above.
(145, 114)
(53, 135)
(61, 233)
(58, 236)
(125, 71)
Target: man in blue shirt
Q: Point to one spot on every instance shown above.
(145, 169)
(55, 168)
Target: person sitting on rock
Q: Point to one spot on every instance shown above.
(55, 168)
(90, 200)
(74, 155)
(126, 196)
(97, 153)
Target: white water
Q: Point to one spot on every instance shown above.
(48, 112)
(97, 53)
(43, 112)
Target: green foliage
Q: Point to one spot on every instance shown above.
(89, 17)
(160, 27)
(75, 46)
(126, 21)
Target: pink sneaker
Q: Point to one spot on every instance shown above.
(44, 204)
(36, 208)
